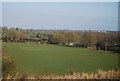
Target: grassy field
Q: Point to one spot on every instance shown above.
(47, 59)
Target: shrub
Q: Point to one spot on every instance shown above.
(8, 65)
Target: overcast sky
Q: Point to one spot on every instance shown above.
(61, 15)
(60, 0)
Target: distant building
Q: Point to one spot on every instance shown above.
(77, 44)
(68, 43)
(102, 31)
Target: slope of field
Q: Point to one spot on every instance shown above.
(48, 59)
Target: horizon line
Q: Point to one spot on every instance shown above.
(60, 29)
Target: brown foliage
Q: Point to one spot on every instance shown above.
(90, 39)
(100, 74)
(8, 65)
(58, 38)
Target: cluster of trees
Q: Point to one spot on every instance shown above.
(92, 39)
(20, 35)
(62, 37)
(13, 34)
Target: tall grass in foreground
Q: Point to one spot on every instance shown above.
(100, 74)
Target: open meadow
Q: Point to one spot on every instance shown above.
(53, 59)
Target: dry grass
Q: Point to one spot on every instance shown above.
(100, 74)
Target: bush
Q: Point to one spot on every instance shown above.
(8, 65)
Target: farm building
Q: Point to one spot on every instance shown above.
(68, 43)
(77, 44)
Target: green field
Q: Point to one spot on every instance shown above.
(47, 59)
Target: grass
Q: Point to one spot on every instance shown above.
(52, 59)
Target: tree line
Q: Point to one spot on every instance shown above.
(92, 39)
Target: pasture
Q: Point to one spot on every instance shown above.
(53, 59)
